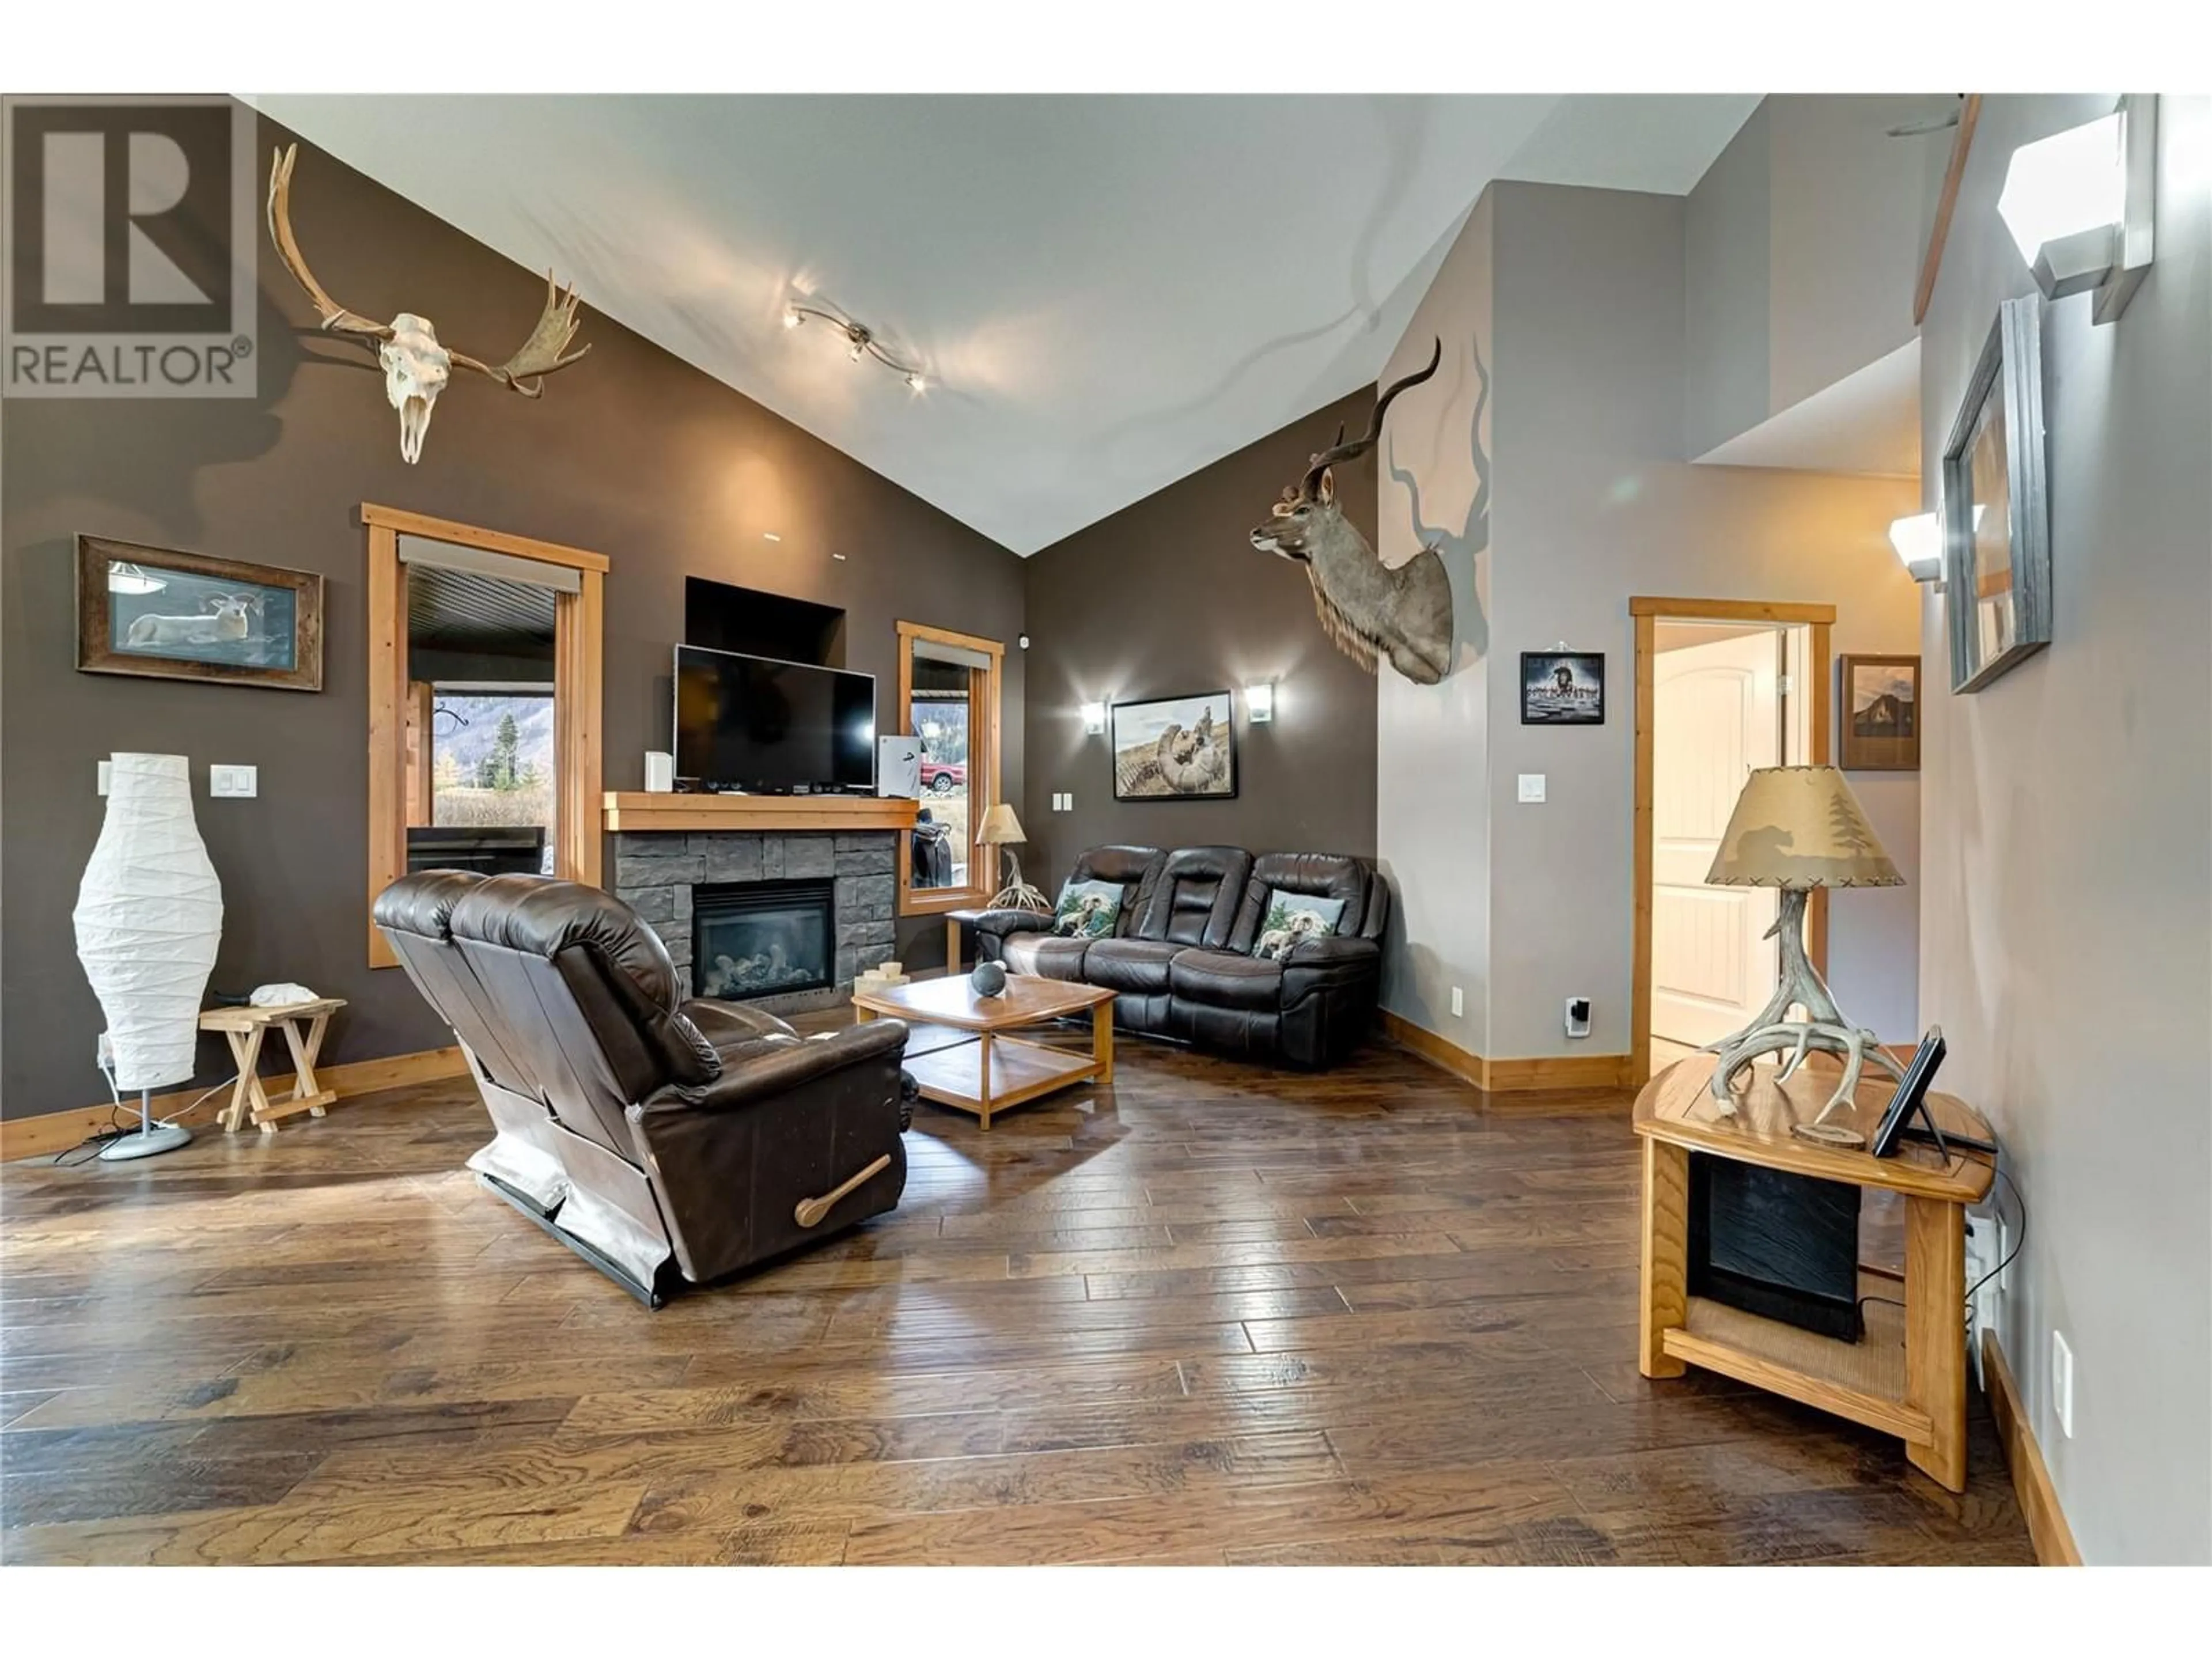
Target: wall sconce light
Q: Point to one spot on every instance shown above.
(1094, 718)
(1919, 542)
(2079, 205)
(1260, 702)
(859, 342)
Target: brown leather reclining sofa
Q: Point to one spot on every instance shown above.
(647, 1134)
(1181, 952)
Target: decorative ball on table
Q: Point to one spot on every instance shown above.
(989, 979)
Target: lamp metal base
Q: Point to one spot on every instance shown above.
(146, 1143)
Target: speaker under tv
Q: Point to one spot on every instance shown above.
(1785, 1247)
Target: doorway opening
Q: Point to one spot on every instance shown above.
(485, 692)
(1722, 687)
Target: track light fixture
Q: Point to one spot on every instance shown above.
(860, 340)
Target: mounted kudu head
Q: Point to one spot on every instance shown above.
(1369, 609)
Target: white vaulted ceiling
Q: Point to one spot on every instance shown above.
(1106, 293)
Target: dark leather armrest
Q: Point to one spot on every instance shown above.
(999, 923)
(1314, 963)
(725, 1023)
(777, 1067)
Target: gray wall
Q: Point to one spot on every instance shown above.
(1582, 294)
(1432, 742)
(1168, 596)
(631, 453)
(1803, 242)
(2068, 818)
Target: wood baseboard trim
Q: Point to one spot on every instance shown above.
(1509, 1076)
(57, 1132)
(2031, 1475)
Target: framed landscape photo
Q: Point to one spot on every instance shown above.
(1175, 748)
(1995, 515)
(1882, 713)
(1563, 687)
(166, 615)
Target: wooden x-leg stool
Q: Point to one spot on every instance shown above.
(303, 1024)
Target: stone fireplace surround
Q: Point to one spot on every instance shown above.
(656, 869)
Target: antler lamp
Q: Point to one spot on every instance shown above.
(1002, 829)
(1796, 828)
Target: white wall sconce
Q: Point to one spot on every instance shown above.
(1094, 718)
(1919, 542)
(1260, 702)
(2079, 205)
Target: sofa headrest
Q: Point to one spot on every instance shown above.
(422, 904)
(1122, 863)
(1310, 875)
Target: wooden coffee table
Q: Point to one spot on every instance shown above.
(997, 1071)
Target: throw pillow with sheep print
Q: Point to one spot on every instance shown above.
(1087, 909)
(1292, 917)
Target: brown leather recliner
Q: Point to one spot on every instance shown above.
(642, 1131)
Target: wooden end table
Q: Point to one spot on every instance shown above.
(997, 1070)
(303, 1024)
(1907, 1375)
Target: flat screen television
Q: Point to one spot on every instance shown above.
(769, 728)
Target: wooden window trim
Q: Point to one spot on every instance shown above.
(579, 632)
(1817, 620)
(986, 686)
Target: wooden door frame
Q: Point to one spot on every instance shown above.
(982, 791)
(578, 632)
(1819, 620)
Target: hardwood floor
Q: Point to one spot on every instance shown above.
(1213, 1314)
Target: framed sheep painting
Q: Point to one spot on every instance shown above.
(151, 611)
(1175, 748)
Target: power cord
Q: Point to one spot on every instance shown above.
(119, 1125)
(2019, 1198)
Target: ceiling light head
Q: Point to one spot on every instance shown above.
(792, 319)
(915, 382)
(2079, 205)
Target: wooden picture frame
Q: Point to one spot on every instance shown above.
(1877, 721)
(1174, 748)
(160, 613)
(1563, 687)
(1996, 510)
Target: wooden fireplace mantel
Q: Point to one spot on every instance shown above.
(636, 812)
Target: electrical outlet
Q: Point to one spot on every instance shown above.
(2062, 1383)
(1532, 786)
(1459, 1003)
(1578, 1016)
(103, 1053)
(234, 782)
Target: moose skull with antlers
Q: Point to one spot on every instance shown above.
(1370, 609)
(416, 366)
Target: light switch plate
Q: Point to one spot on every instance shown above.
(105, 766)
(2062, 1383)
(234, 782)
(1532, 786)
(1459, 1003)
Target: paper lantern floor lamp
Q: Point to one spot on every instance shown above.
(1796, 828)
(149, 917)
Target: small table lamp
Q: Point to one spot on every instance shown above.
(1002, 829)
(1796, 828)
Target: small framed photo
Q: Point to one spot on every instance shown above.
(1995, 505)
(1175, 748)
(1882, 713)
(1563, 687)
(166, 615)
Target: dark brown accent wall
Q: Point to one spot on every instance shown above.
(1168, 596)
(632, 453)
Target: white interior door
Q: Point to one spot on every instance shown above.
(1717, 716)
